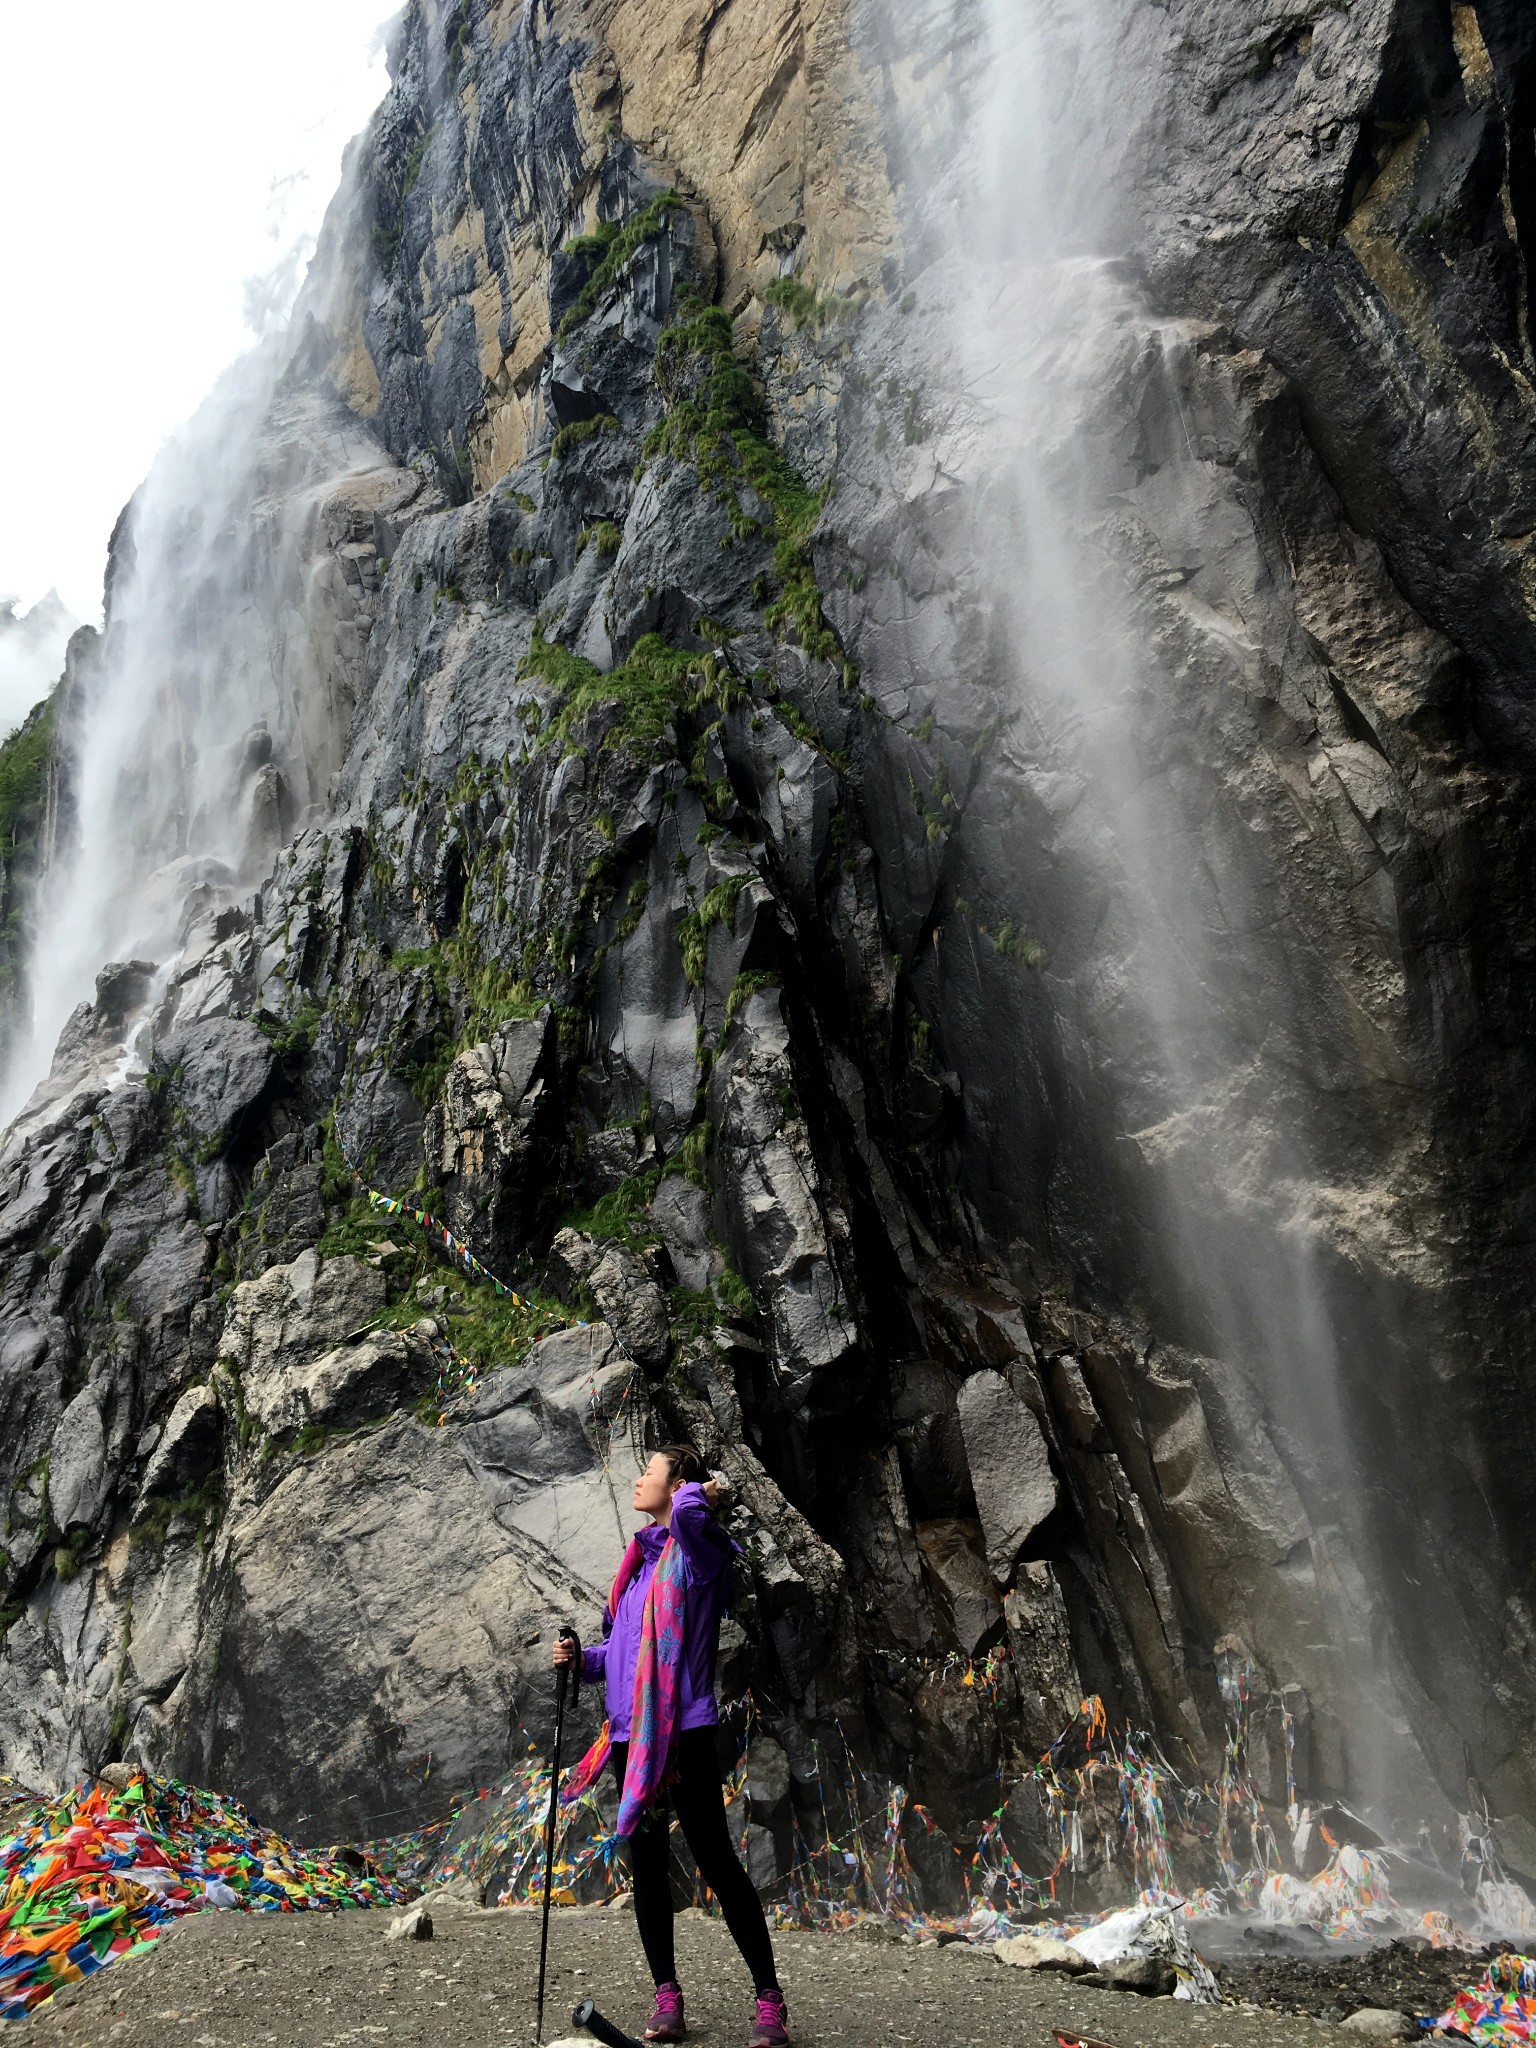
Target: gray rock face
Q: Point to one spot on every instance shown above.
(77, 1462)
(680, 1212)
(218, 1071)
(277, 1324)
(624, 1289)
(1063, 1201)
(190, 1446)
(1010, 1468)
(954, 1554)
(482, 1139)
(353, 1383)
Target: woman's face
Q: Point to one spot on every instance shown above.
(654, 1488)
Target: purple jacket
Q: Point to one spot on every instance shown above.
(707, 1553)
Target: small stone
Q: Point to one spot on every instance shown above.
(1040, 1952)
(877, 1927)
(416, 1925)
(1379, 2023)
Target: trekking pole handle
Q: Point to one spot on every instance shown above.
(567, 1634)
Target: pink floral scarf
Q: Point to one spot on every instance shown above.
(658, 1688)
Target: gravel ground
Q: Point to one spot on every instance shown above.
(320, 1980)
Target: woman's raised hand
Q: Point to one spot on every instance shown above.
(564, 1651)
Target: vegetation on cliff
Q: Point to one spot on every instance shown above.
(23, 794)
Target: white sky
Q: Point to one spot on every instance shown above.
(153, 157)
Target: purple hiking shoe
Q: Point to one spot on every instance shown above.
(771, 2026)
(666, 2022)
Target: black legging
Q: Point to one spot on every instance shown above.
(696, 1799)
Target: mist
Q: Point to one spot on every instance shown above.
(32, 645)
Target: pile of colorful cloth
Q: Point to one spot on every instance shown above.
(1499, 2011)
(100, 1874)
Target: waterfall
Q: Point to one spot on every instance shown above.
(211, 723)
(1158, 736)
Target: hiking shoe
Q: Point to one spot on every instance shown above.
(771, 2027)
(666, 2022)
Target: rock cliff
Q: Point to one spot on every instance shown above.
(703, 900)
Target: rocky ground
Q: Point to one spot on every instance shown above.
(321, 1980)
(1398, 1975)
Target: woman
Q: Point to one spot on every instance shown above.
(661, 1637)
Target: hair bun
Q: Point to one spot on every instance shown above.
(683, 1463)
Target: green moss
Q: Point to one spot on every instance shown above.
(572, 436)
(743, 987)
(389, 226)
(795, 721)
(716, 419)
(458, 40)
(649, 689)
(354, 1229)
(487, 1329)
(183, 1175)
(733, 1293)
(313, 1438)
(70, 1555)
(23, 793)
(639, 896)
(294, 1036)
(474, 993)
(1016, 944)
(414, 161)
(623, 1213)
(1011, 940)
(803, 307)
(338, 1181)
(692, 1156)
(693, 1313)
(717, 907)
(608, 249)
(202, 1508)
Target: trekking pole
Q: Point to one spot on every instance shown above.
(573, 1670)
